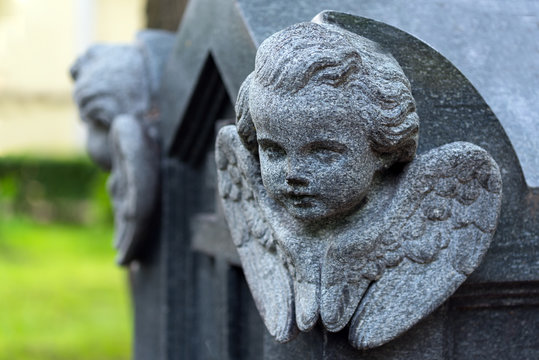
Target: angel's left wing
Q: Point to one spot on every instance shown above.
(444, 215)
(133, 185)
(241, 189)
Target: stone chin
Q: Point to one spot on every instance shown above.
(98, 146)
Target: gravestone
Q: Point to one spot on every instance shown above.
(190, 295)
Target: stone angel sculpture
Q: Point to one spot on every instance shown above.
(333, 215)
(116, 91)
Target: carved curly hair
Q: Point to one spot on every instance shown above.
(325, 54)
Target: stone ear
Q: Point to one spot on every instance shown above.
(382, 161)
(244, 121)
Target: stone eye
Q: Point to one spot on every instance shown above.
(272, 150)
(327, 153)
(99, 117)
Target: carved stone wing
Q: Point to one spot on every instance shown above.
(133, 185)
(240, 186)
(443, 216)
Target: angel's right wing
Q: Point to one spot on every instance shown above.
(240, 188)
(442, 220)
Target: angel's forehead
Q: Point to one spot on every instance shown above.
(319, 104)
(294, 126)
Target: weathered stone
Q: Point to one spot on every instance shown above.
(108, 82)
(116, 90)
(190, 304)
(133, 184)
(112, 80)
(332, 216)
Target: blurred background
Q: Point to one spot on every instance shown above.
(61, 294)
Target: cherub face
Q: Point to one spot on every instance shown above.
(315, 158)
(106, 87)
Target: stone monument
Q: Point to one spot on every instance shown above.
(208, 309)
(197, 290)
(327, 221)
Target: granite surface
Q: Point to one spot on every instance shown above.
(328, 223)
(191, 305)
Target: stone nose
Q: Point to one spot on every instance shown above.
(296, 174)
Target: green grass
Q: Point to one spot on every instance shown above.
(61, 295)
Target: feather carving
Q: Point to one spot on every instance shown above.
(387, 271)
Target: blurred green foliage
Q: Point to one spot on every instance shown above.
(68, 190)
(61, 295)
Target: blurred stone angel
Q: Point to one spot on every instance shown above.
(333, 215)
(116, 90)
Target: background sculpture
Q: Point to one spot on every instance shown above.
(116, 90)
(329, 219)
